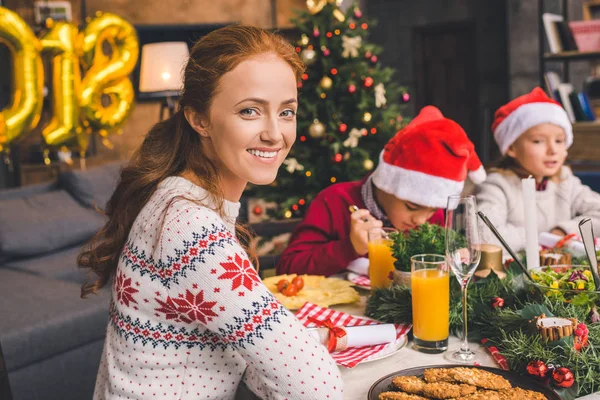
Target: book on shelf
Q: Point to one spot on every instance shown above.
(576, 104)
(564, 90)
(567, 40)
(551, 29)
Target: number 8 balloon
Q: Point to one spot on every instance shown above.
(27, 76)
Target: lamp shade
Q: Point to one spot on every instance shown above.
(162, 67)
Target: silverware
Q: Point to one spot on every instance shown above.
(587, 235)
(506, 246)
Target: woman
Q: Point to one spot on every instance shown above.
(189, 316)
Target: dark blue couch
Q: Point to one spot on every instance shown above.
(51, 338)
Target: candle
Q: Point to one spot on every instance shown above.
(531, 227)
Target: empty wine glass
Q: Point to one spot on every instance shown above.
(463, 253)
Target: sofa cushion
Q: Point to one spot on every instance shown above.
(59, 265)
(26, 191)
(44, 317)
(43, 223)
(94, 187)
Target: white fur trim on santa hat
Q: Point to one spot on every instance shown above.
(414, 186)
(478, 176)
(528, 116)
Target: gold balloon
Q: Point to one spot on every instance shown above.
(308, 56)
(315, 7)
(326, 82)
(368, 164)
(28, 78)
(317, 129)
(107, 75)
(59, 42)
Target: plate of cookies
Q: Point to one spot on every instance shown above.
(459, 382)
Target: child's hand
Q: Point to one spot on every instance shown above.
(360, 223)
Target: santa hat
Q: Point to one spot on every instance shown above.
(514, 118)
(428, 161)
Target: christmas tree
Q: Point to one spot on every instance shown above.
(349, 108)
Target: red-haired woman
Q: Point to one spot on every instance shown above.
(189, 316)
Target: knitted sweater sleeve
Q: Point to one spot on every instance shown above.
(215, 286)
(493, 200)
(584, 203)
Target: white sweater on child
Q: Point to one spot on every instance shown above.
(561, 205)
(190, 318)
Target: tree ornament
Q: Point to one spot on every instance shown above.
(308, 56)
(563, 377)
(351, 88)
(368, 164)
(257, 210)
(292, 165)
(351, 46)
(367, 117)
(380, 99)
(357, 13)
(316, 32)
(368, 54)
(537, 368)
(337, 158)
(368, 82)
(326, 82)
(374, 59)
(353, 137)
(317, 129)
(343, 128)
(287, 214)
(326, 52)
(497, 302)
(304, 40)
(405, 97)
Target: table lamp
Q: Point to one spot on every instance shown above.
(161, 72)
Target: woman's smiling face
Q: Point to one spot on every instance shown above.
(251, 124)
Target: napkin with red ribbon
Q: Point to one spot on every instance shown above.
(335, 326)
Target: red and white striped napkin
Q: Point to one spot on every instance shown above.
(359, 280)
(353, 356)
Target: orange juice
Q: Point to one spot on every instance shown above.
(381, 263)
(430, 304)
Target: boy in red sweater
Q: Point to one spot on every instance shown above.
(418, 169)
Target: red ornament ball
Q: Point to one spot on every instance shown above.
(368, 54)
(374, 59)
(368, 82)
(257, 210)
(343, 128)
(352, 88)
(497, 302)
(326, 52)
(405, 97)
(563, 377)
(338, 157)
(316, 32)
(357, 13)
(537, 368)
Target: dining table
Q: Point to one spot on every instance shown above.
(358, 380)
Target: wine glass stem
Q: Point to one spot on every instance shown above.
(464, 348)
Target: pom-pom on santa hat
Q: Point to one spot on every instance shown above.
(428, 161)
(517, 116)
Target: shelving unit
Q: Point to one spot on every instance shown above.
(584, 152)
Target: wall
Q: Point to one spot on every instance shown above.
(397, 19)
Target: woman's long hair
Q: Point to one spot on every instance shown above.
(172, 146)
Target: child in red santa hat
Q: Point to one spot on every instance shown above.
(418, 169)
(533, 133)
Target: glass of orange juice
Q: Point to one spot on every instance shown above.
(430, 285)
(381, 261)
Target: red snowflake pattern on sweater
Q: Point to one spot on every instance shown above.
(240, 271)
(188, 308)
(124, 290)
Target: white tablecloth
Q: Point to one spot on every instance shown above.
(358, 380)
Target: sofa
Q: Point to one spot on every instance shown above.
(51, 338)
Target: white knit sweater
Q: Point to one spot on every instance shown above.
(561, 205)
(190, 318)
